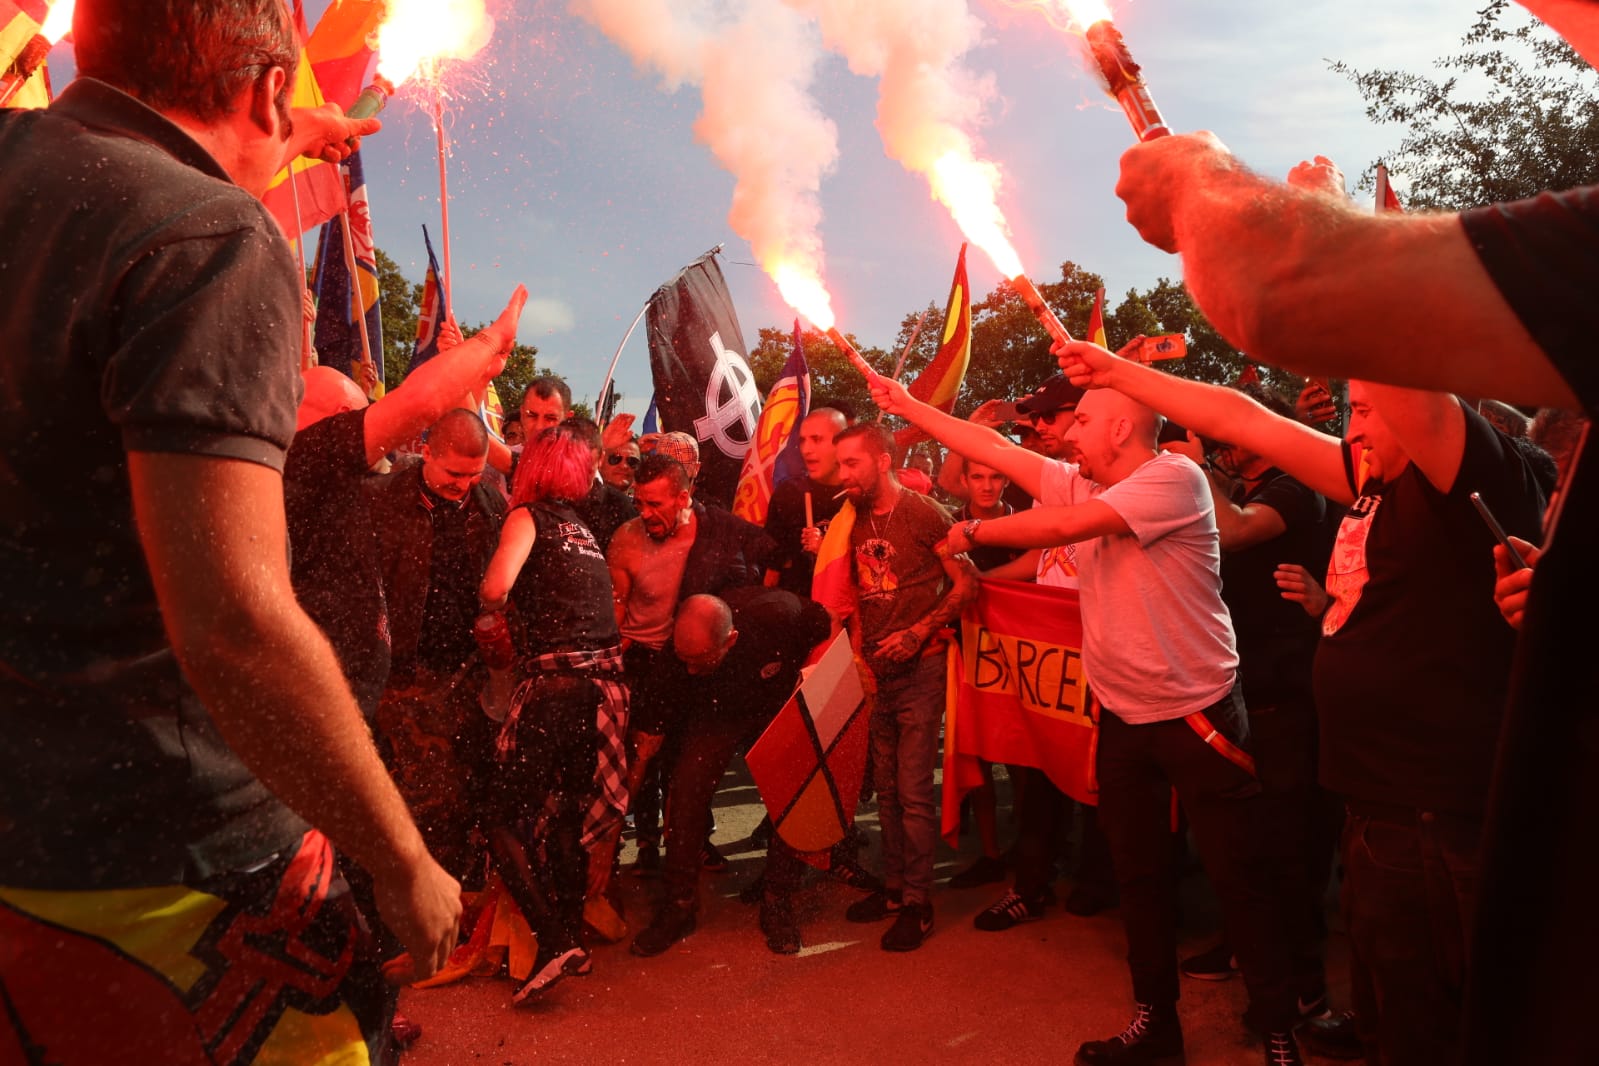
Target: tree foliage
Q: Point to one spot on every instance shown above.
(1514, 113)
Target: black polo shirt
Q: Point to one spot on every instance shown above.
(150, 305)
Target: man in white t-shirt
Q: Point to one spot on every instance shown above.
(1160, 657)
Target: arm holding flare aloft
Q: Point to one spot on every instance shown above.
(976, 443)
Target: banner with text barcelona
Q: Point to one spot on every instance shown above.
(1019, 694)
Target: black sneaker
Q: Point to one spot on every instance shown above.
(911, 929)
(778, 926)
(548, 970)
(1281, 1050)
(853, 874)
(1217, 964)
(1331, 1035)
(1153, 1038)
(1008, 911)
(672, 923)
(711, 859)
(876, 907)
(987, 870)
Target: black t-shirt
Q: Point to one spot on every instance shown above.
(334, 553)
(1414, 658)
(785, 518)
(150, 306)
(446, 640)
(1535, 932)
(563, 592)
(776, 632)
(1276, 638)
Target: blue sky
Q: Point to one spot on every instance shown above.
(580, 177)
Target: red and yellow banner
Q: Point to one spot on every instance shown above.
(1018, 694)
(940, 383)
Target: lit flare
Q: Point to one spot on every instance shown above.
(58, 23)
(803, 290)
(417, 34)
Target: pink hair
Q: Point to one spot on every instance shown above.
(558, 464)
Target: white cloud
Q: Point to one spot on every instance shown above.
(544, 315)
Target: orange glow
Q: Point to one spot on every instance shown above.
(58, 23)
(804, 292)
(1068, 16)
(968, 187)
(417, 34)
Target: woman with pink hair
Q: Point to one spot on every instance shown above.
(553, 574)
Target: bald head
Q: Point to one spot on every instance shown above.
(1141, 423)
(704, 633)
(327, 393)
(817, 451)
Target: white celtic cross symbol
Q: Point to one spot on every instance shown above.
(731, 403)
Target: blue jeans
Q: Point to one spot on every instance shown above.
(905, 725)
(1410, 890)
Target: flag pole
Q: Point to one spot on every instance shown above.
(611, 372)
(444, 199)
(357, 305)
(899, 367)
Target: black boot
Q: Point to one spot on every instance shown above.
(778, 925)
(1153, 1038)
(672, 923)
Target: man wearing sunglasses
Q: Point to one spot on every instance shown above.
(620, 465)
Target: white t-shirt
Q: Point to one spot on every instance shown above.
(1158, 641)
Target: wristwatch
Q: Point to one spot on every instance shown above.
(970, 529)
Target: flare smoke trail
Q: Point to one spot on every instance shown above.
(754, 72)
(929, 104)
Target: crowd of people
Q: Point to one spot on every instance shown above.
(275, 680)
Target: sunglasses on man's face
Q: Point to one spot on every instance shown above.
(616, 460)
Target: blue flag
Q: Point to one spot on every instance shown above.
(430, 316)
(342, 303)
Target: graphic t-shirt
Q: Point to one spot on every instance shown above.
(899, 578)
(1157, 640)
(1414, 660)
(1057, 565)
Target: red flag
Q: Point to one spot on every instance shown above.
(319, 185)
(339, 51)
(1386, 199)
(1019, 693)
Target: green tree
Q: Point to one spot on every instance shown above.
(834, 379)
(1514, 113)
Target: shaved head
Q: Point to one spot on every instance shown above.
(703, 633)
(327, 393)
(1113, 434)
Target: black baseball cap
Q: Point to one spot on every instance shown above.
(1052, 395)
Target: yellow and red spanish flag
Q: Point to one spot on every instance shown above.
(319, 185)
(1096, 320)
(940, 383)
(24, 79)
(773, 454)
(1018, 694)
(832, 579)
(340, 50)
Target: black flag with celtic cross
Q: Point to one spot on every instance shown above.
(703, 383)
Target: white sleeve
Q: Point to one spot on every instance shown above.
(1162, 496)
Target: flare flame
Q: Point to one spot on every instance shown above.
(58, 23)
(417, 34)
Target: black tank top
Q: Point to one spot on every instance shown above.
(563, 593)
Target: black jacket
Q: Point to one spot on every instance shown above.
(405, 548)
(728, 553)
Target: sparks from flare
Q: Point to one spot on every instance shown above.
(58, 22)
(1068, 16)
(417, 34)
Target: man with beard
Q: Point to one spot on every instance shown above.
(905, 593)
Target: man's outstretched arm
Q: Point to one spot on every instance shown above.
(978, 444)
(1308, 282)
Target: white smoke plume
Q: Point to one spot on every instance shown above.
(753, 64)
(929, 105)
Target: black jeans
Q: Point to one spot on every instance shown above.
(540, 794)
(1410, 893)
(1044, 815)
(1139, 767)
(1303, 823)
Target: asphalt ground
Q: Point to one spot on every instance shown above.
(1029, 994)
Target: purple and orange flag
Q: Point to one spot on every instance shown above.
(773, 456)
(319, 186)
